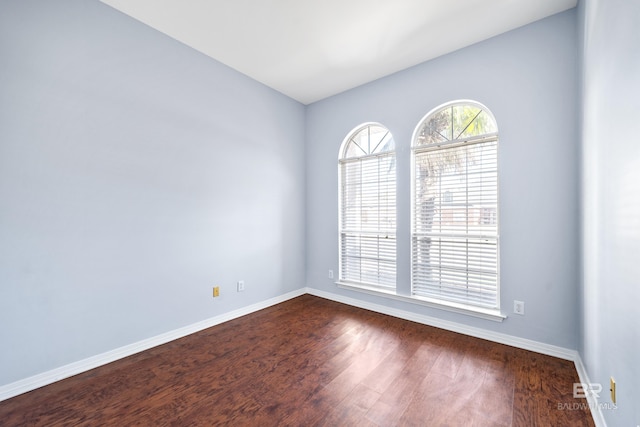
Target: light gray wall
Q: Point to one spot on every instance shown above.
(135, 174)
(528, 79)
(611, 201)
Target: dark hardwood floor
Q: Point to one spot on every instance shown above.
(314, 362)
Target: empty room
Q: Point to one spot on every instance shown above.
(306, 213)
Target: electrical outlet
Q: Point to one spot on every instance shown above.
(518, 307)
(240, 285)
(330, 274)
(216, 291)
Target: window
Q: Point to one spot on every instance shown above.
(454, 234)
(367, 166)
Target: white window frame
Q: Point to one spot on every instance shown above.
(448, 302)
(373, 263)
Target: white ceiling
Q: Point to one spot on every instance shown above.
(312, 49)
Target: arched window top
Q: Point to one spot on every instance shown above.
(367, 139)
(455, 121)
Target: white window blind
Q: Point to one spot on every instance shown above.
(455, 241)
(368, 208)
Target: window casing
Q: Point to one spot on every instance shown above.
(367, 168)
(454, 235)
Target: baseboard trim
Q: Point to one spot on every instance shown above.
(523, 343)
(596, 410)
(31, 383)
(40, 380)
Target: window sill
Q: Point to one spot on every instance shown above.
(483, 313)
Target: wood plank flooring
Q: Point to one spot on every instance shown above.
(314, 362)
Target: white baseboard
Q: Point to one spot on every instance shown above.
(22, 386)
(31, 383)
(526, 344)
(523, 343)
(596, 411)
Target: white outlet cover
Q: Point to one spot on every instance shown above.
(518, 307)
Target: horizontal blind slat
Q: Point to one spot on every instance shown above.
(368, 220)
(454, 231)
